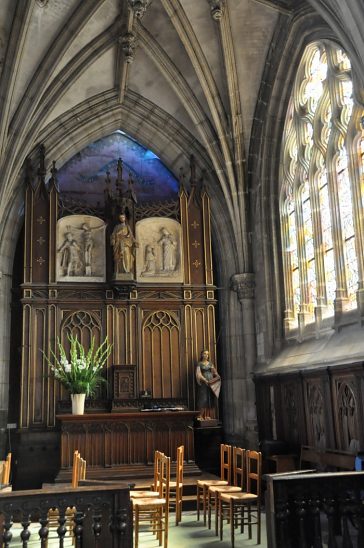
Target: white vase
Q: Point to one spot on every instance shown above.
(78, 404)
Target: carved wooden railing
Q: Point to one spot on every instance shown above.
(102, 517)
(315, 510)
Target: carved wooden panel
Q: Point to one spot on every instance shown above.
(290, 411)
(315, 414)
(130, 438)
(124, 382)
(161, 364)
(330, 414)
(346, 405)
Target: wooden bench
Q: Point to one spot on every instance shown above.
(327, 459)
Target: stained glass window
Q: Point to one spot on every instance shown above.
(323, 135)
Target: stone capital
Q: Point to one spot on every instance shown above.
(244, 285)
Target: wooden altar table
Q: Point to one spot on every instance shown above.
(119, 445)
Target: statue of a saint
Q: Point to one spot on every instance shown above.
(169, 249)
(149, 261)
(124, 244)
(209, 383)
(71, 261)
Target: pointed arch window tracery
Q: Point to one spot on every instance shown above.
(322, 190)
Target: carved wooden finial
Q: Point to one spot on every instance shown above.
(107, 181)
(28, 171)
(53, 179)
(193, 171)
(119, 179)
(54, 171)
(41, 169)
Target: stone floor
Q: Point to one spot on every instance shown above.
(191, 533)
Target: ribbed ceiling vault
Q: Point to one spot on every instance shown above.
(181, 76)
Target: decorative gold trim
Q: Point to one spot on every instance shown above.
(207, 240)
(210, 294)
(133, 295)
(187, 294)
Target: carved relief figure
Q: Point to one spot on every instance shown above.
(169, 250)
(209, 383)
(70, 251)
(124, 244)
(81, 248)
(149, 261)
(88, 244)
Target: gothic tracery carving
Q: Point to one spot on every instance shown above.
(316, 415)
(347, 412)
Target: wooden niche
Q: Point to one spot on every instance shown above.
(158, 315)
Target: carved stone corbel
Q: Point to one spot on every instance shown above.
(128, 45)
(243, 285)
(217, 8)
(139, 7)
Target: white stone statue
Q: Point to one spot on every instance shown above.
(149, 261)
(169, 250)
(71, 260)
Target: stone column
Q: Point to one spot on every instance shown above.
(5, 302)
(240, 420)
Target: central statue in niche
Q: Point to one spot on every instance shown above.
(124, 245)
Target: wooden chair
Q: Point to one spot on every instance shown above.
(5, 475)
(75, 469)
(176, 487)
(225, 479)
(214, 491)
(155, 511)
(154, 488)
(4, 488)
(232, 505)
(78, 474)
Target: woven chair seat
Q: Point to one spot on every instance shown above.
(149, 502)
(143, 494)
(207, 483)
(224, 489)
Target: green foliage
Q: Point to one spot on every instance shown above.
(81, 373)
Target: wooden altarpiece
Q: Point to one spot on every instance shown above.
(157, 320)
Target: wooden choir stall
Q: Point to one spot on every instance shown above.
(155, 302)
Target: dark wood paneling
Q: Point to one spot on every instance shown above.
(112, 440)
(322, 407)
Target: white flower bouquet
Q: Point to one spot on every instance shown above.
(81, 373)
